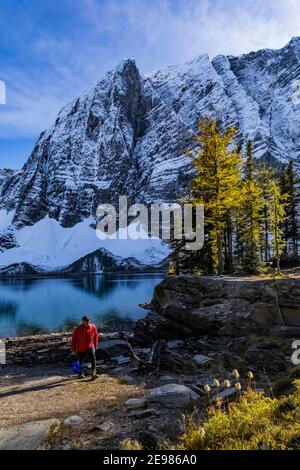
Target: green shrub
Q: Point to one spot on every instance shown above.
(253, 422)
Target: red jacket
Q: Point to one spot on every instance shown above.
(84, 338)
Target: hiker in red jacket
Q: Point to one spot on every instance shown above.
(85, 343)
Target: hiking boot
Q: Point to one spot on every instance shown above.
(82, 375)
(94, 375)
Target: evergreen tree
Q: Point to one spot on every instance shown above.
(217, 183)
(243, 213)
(250, 226)
(174, 263)
(290, 186)
(264, 176)
(277, 203)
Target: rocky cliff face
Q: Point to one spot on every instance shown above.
(127, 135)
(5, 173)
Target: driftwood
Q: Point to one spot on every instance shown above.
(162, 357)
(152, 364)
(176, 362)
(139, 361)
(155, 355)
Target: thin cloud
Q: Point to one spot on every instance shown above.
(156, 34)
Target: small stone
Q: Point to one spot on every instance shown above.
(175, 343)
(200, 359)
(166, 378)
(73, 421)
(66, 447)
(106, 426)
(224, 394)
(122, 359)
(104, 367)
(135, 402)
(138, 414)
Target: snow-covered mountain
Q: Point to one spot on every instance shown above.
(5, 173)
(99, 262)
(127, 136)
(49, 246)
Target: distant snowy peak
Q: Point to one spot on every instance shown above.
(102, 261)
(127, 134)
(52, 247)
(99, 262)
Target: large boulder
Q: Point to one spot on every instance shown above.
(173, 396)
(113, 347)
(28, 436)
(184, 306)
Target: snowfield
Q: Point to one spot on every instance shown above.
(50, 246)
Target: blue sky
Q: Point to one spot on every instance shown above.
(51, 50)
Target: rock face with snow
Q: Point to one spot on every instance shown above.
(5, 173)
(127, 135)
(18, 270)
(102, 261)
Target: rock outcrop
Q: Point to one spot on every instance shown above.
(186, 306)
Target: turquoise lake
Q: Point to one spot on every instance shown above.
(31, 306)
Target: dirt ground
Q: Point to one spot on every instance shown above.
(30, 394)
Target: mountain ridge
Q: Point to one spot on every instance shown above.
(127, 134)
(101, 261)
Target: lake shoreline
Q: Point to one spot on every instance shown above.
(79, 275)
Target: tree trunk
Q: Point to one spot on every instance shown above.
(276, 242)
(230, 250)
(266, 235)
(220, 255)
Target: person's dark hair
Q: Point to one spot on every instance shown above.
(85, 318)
